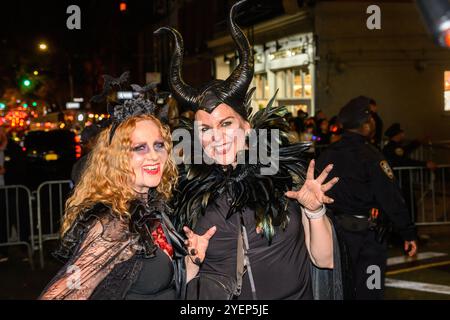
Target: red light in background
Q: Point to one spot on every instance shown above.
(447, 37)
(123, 6)
(24, 149)
(334, 128)
(78, 151)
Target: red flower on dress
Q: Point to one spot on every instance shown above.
(161, 241)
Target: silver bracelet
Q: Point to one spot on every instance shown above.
(315, 214)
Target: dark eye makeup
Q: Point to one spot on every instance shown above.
(159, 145)
(143, 148)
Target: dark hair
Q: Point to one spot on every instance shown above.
(372, 102)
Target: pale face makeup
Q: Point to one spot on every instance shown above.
(148, 156)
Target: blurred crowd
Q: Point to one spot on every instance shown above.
(323, 131)
(320, 129)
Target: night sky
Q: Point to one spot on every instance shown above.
(106, 42)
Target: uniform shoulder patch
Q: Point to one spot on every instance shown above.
(387, 169)
(399, 152)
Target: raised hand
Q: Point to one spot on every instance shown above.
(312, 194)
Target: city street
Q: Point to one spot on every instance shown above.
(225, 140)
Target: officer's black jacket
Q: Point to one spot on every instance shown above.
(398, 155)
(366, 182)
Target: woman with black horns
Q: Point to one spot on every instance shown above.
(274, 238)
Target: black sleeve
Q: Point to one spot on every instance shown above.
(408, 162)
(401, 161)
(410, 147)
(389, 198)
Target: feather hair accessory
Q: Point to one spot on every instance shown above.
(143, 100)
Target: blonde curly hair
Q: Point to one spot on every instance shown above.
(107, 177)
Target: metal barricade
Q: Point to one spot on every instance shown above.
(437, 151)
(51, 197)
(426, 193)
(16, 219)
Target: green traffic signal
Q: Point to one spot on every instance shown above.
(26, 83)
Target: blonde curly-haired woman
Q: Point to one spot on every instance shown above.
(117, 237)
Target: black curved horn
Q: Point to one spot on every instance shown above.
(184, 93)
(241, 77)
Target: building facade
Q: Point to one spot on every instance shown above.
(322, 56)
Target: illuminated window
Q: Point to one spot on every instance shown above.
(298, 84)
(280, 83)
(262, 86)
(447, 90)
(307, 85)
(289, 87)
(302, 84)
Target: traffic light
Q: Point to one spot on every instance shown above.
(123, 6)
(26, 82)
(34, 104)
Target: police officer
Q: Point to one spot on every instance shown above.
(365, 198)
(398, 154)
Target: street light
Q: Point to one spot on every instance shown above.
(43, 46)
(36, 73)
(26, 83)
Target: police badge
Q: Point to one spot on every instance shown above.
(387, 169)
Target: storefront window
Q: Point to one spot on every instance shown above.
(447, 90)
(266, 88)
(285, 65)
(302, 84)
(298, 84)
(289, 80)
(262, 86)
(307, 85)
(280, 83)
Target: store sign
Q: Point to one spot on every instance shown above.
(124, 95)
(289, 62)
(72, 105)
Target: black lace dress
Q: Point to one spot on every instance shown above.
(109, 258)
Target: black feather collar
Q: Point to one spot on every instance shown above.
(245, 185)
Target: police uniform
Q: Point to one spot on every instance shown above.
(365, 197)
(398, 154)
